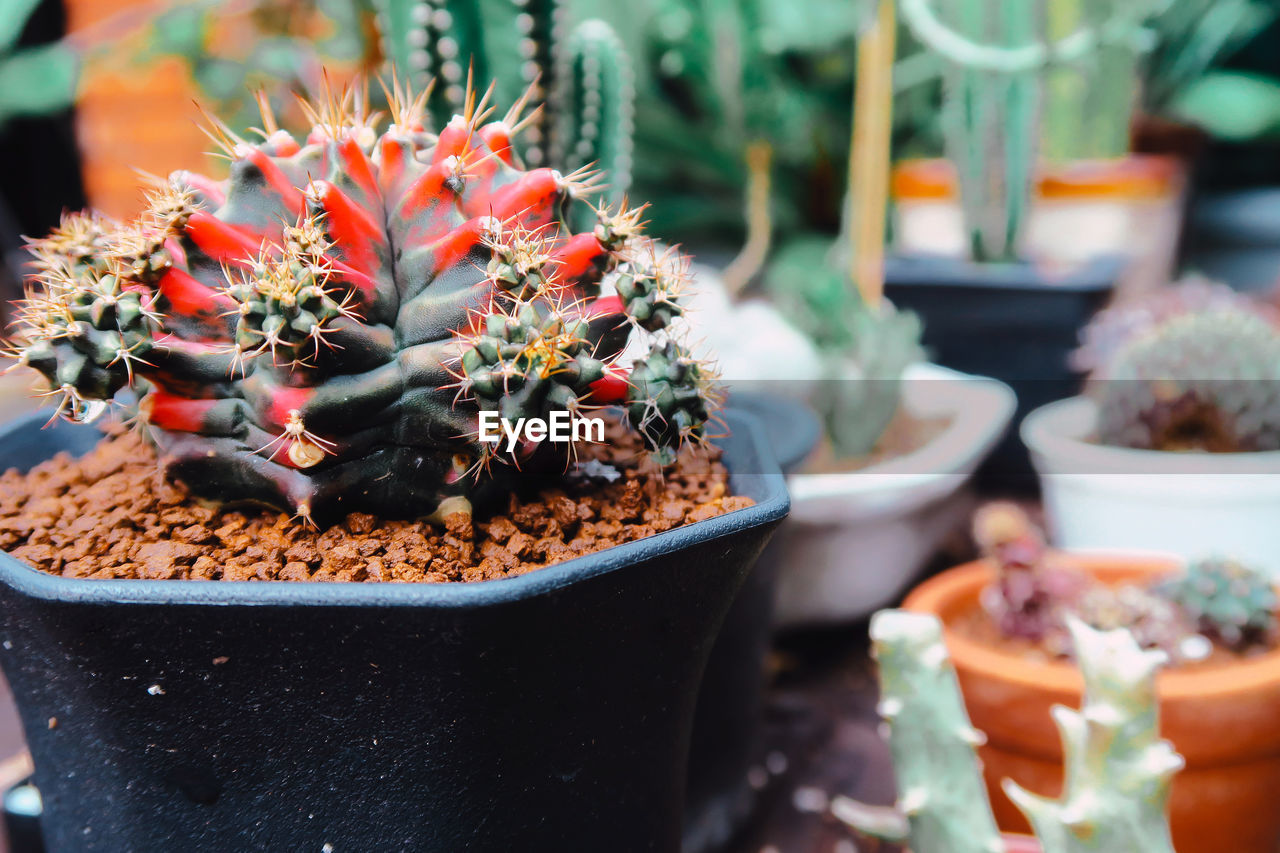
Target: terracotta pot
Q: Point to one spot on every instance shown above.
(1222, 719)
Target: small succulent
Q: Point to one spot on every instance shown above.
(322, 331)
(1118, 770)
(1154, 621)
(1203, 380)
(1032, 595)
(1228, 601)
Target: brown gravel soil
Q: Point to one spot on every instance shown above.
(976, 625)
(905, 434)
(110, 514)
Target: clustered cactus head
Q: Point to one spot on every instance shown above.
(1227, 601)
(1032, 595)
(1206, 381)
(320, 331)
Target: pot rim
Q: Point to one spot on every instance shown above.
(1217, 684)
(1056, 434)
(981, 409)
(757, 474)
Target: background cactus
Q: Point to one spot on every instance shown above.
(580, 76)
(1228, 602)
(1118, 770)
(941, 794)
(320, 331)
(1200, 381)
(995, 68)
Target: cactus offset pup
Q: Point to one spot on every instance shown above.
(320, 331)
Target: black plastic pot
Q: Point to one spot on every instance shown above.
(1006, 321)
(727, 722)
(1234, 237)
(549, 711)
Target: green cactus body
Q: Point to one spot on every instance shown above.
(996, 65)
(594, 106)
(1118, 770)
(1206, 381)
(940, 787)
(320, 331)
(1227, 601)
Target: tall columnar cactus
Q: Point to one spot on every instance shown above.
(1118, 770)
(995, 66)
(1199, 381)
(580, 77)
(940, 789)
(320, 331)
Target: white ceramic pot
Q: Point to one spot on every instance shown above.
(855, 541)
(1187, 504)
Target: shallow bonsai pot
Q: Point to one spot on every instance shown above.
(856, 539)
(727, 723)
(549, 711)
(1006, 321)
(1222, 719)
(1189, 504)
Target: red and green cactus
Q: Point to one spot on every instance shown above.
(320, 331)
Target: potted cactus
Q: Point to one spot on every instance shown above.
(1007, 625)
(1118, 770)
(327, 333)
(1176, 443)
(996, 308)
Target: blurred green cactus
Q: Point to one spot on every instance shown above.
(1118, 770)
(580, 77)
(1228, 601)
(996, 64)
(33, 80)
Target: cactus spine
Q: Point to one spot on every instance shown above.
(1118, 770)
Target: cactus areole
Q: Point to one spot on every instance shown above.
(321, 331)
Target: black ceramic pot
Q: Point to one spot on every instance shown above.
(1008, 322)
(727, 722)
(549, 711)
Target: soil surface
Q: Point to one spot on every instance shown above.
(976, 625)
(905, 434)
(111, 514)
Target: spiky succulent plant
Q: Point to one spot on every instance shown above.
(1206, 381)
(1118, 770)
(320, 331)
(1228, 601)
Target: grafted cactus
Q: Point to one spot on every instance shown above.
(1118, 770)
(580, 76)
(321, 331)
